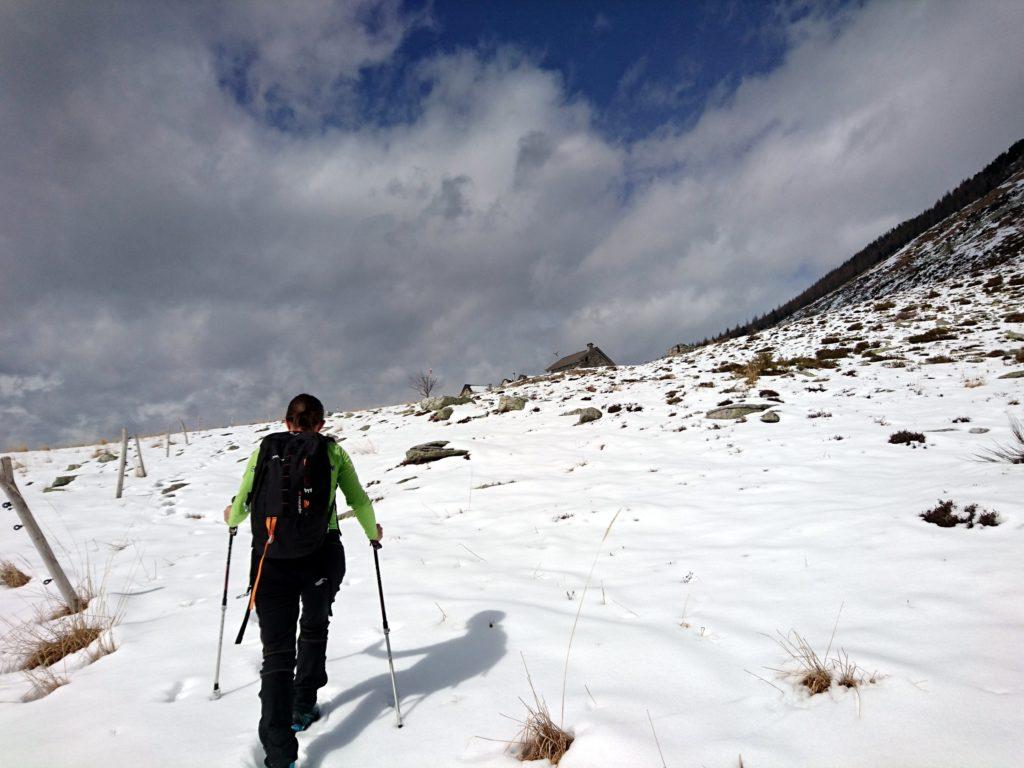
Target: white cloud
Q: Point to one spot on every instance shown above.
(165, 251)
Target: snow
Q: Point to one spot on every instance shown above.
(751, 528)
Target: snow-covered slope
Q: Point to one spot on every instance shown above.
(983, 235)
(728, 532)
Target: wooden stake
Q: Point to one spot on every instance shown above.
(42, 546)
(121, 462)
(167, 444)
(140, 468)
(184, 431)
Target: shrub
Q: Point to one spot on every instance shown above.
(1014, 317)
(12, 576)
(939, 333)
(945, 515)
(882, 306)
(905, 437)
(757, 366)
(833, 354)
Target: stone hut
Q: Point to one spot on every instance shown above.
(591, 357)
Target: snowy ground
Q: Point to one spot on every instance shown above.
(752, 528)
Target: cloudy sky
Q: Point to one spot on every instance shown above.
(206, 208)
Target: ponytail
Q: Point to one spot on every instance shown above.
(305, 412)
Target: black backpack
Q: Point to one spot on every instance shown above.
(290, 494)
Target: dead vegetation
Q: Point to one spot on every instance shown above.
(817, 673)
(12, 576)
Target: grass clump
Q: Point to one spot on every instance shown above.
(905, 437)
(1012, 452)
(12, 576)
(540, 738)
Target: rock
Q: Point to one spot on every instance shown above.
(427, 452)
(770, 417)
(736, 411)
(105, 457)
(442, 415)
(1013, 375)
(585, 414)
(73, 467)
(60, 482)
(978, 430)
(437, 403)
(508, 403)
(364, 428)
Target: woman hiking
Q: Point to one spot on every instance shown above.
(288, 488)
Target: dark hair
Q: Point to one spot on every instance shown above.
(305, 412)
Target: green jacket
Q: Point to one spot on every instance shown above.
(343, 475)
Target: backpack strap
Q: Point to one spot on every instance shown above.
(271, 526)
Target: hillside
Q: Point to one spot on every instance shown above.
(986, 213)
(728, 532)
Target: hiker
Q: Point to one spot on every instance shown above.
(297, 556)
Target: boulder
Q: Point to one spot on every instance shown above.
(978, 430)
(105, 457)
(1013, 375)
(736, 411)
(432, 451)
(770, 417)
(585, 414)
(443, 401)
(442, 415)
(508, 403)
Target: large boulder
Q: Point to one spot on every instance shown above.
(442, 415)
(443, 401)
(770, 417)
(585, 414)
(432, 451)
(737, 411)
(508, 403)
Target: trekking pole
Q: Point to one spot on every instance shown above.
(387, 633)
(223, 610)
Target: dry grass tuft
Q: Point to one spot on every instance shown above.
(44, 682)
(814, 674)
(12, 576)
(1012, 453)
(43, 645)
(540, 738)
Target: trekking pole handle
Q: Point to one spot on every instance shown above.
(380, 587)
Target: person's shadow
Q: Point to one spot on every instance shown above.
(444, 665)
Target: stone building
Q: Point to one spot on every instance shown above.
(591, 357)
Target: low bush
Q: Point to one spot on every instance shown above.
(945, 515)
(905, 437)
(939, 333)
(1014, 317)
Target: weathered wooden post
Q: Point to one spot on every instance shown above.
(167, 444)
(140, 468)
(121, 462)
(42, 546)
(184, 431)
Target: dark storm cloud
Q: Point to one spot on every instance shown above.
(168, 250)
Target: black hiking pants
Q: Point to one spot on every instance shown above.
(289, 681)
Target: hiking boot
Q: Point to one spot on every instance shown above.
(302, 720)
(267, 763)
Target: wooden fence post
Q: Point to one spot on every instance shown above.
(167, 445)
(184, 431)
(140, 468)
(42, 546)
(120, 463)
